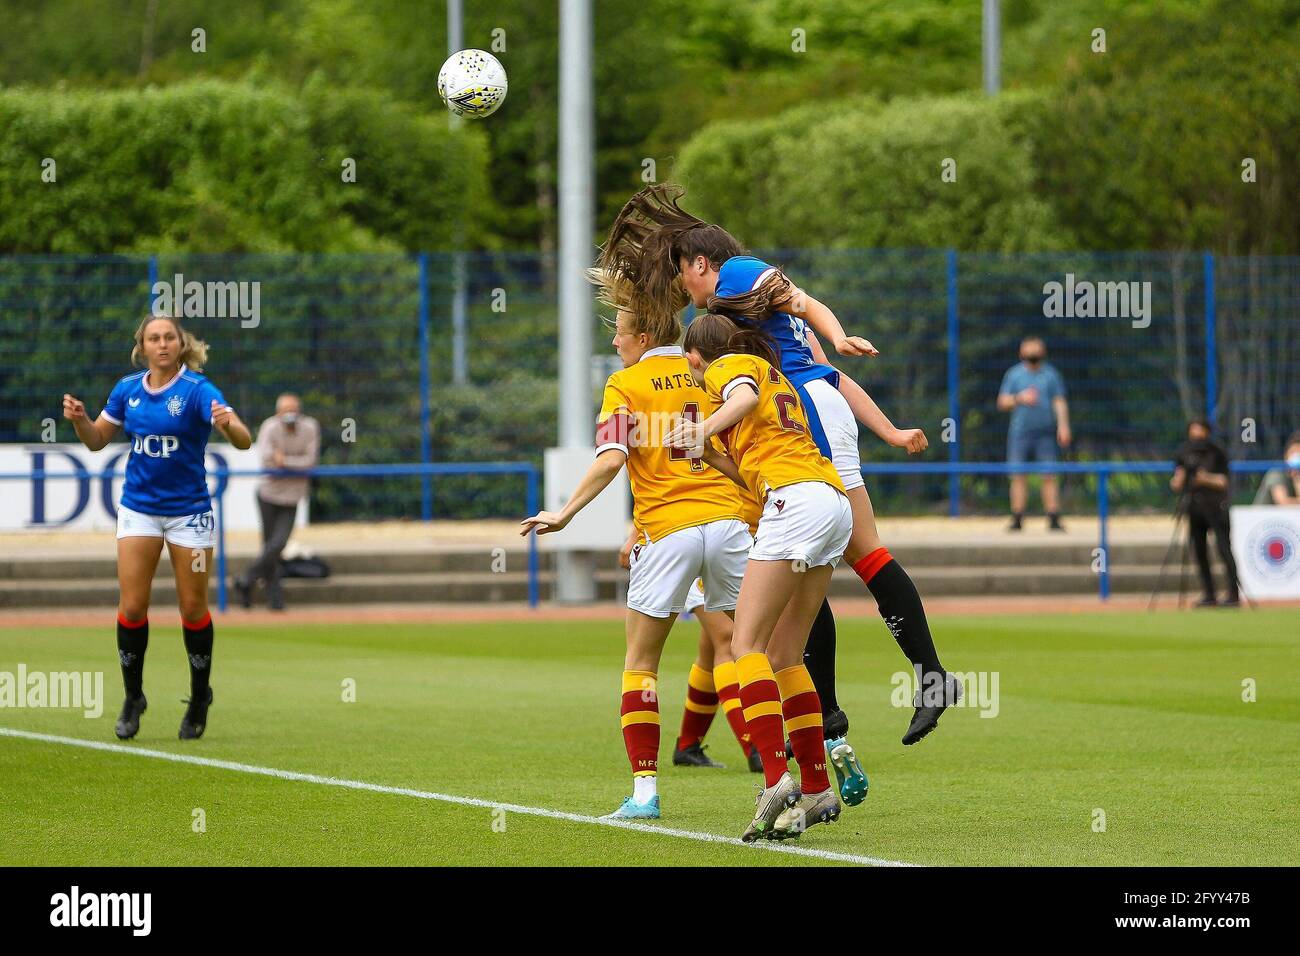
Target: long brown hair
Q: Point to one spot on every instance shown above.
(757, 304)
(642, 245)
(714, 335)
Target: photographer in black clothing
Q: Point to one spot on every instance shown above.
(1201, 481)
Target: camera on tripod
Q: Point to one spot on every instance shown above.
(1201, 483)
(1194, 456)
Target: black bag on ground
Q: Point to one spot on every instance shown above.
(304, 568)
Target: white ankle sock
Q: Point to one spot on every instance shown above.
(644, 789)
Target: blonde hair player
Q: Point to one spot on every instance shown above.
(712, 681)
(168, 412)
(805, 526)
(688, 517)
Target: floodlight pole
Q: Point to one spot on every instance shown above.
(575, 570)
(459, 365)
(455, 25)
(992, 47)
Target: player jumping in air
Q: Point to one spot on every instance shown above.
(660, 249)
(688, 517)
(168, 412)
(805, 526)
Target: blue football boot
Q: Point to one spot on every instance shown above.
(631, 810)
(850, 778)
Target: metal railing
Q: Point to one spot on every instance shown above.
(1101, 469)
(532, 497)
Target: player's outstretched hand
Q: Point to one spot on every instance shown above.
(685, 434)
(855, 345)
(913, 439)
(544, 522)
(73, 409)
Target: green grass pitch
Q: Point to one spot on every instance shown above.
(1138, 716)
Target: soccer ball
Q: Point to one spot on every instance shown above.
(472, 83)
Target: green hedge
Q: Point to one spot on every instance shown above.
(1139, 147)
(1142, 147)
(863, 175)
(212, 166)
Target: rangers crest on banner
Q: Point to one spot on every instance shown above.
(1266, 542)
(1274, 551)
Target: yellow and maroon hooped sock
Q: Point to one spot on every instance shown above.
(701, 705)
(728, 683)
(762, 708)
(640, 719)
(803, 722)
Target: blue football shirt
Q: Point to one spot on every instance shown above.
(168, 429)
(742, 274)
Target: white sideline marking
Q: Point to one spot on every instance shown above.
(448, 798)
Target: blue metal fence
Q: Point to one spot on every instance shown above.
(369, 342)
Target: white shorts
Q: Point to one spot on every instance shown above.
(841, 430)
(809, 521)
(664, 570)
(186, 531)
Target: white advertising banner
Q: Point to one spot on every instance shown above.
(88, 501)
(1266, 544)
(603, 523)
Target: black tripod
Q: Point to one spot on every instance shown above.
(1180, 512)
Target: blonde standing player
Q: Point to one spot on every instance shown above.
(688, 516)
(168, 412)
(802, 534)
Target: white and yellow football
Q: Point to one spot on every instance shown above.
(472, 83)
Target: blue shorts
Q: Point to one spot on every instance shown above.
(1037, 446)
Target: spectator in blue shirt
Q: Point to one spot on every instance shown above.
(1034, 393)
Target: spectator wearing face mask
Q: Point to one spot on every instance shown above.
(1281, 486)
(1034, 393)
(288, 441)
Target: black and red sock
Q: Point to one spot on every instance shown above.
(900, 605)
(132, 641)
(198, 648)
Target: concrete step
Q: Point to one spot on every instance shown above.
(479, 586)
(15, 568)
(339, 589)
(1037, 554)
